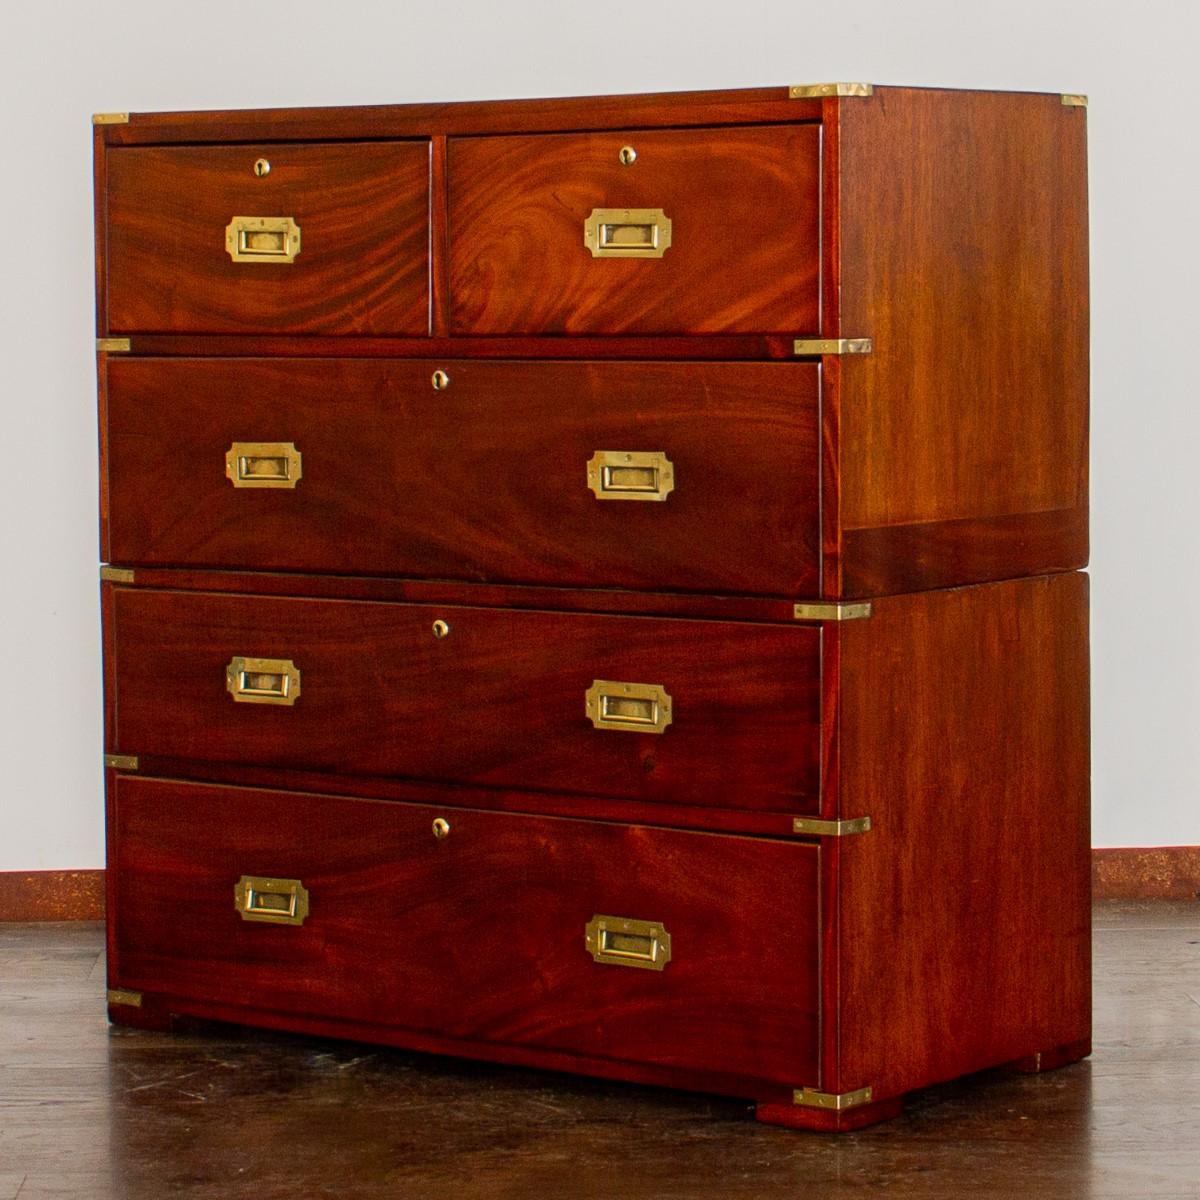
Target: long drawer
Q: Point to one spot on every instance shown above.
(636, 231)
(689, 476)
(289, 237)
(672, 710)
(508, 929)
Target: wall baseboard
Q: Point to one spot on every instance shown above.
(1146, 873)
(51, 895)
(1133, 873)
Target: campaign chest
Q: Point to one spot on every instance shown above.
(597, 584)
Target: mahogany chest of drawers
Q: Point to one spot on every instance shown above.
(596, 583)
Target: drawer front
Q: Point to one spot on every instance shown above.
(744, 237)
(513, 472)
(479, 934)
(198, 243)
(501, 698)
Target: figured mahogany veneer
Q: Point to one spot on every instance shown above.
(363, 213)
(866, 829)
(484, 480)
(745, 232)
(458, 937)
(499, 700)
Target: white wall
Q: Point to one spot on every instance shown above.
(60, 62)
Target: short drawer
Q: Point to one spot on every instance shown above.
(508, 929)
(279, 238)
(659, 476)
(674, 710)
(641, 231)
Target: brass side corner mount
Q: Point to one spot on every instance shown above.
(121, 762)
(818, 91)
(124, 996)
(831, 611)
(1074, 100)
(118, 118)
(815, 827)
(833, 1101)
(113, 345)
(812, 346)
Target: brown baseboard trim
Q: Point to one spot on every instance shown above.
(1136, 873)
(1150, 873)
(51, 895)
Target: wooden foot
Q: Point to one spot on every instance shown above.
(1047, 1060)
(149, 1013)
(824, 1120)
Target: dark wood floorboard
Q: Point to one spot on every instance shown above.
(110, 1114)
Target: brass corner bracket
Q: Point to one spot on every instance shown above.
(818, 91)
(819, 828)
(832, 346)
(113, 345)
(1074, 100)
(833, 1101)
(110, 118)
(115, 575)
(121, 762)
(833, 611)
(124, 996)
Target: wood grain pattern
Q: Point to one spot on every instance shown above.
(459, 938)
(744, 257)
(484, 481)
(962, 234)
(964, 913)
(742, 106)
(363, 212)
(499, 701)
(51, 895)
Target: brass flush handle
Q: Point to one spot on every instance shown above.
(628, 707)
(262, 680)
(262, 239)
(630, 475)
(263, 465)
(622, 942)
(627, 233)
(274, 901)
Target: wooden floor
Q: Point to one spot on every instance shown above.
(86, 1111)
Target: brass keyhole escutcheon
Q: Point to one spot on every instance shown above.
(262, 167)
(628, 156)
(441, 381)
(440, 629)
(441, 828)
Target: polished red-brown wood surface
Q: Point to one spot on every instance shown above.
(961, 230)
(744, 206)
(363, 212)
(500, 700)
(738, 106)
(460, 936)
(486, 480)
(964, 913)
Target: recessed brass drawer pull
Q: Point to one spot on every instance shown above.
(628, 707)
(623, 942)
(627, 233)
(263, 680)
(262, 239)
(275, 901)
(263, 465)
(630, 475)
